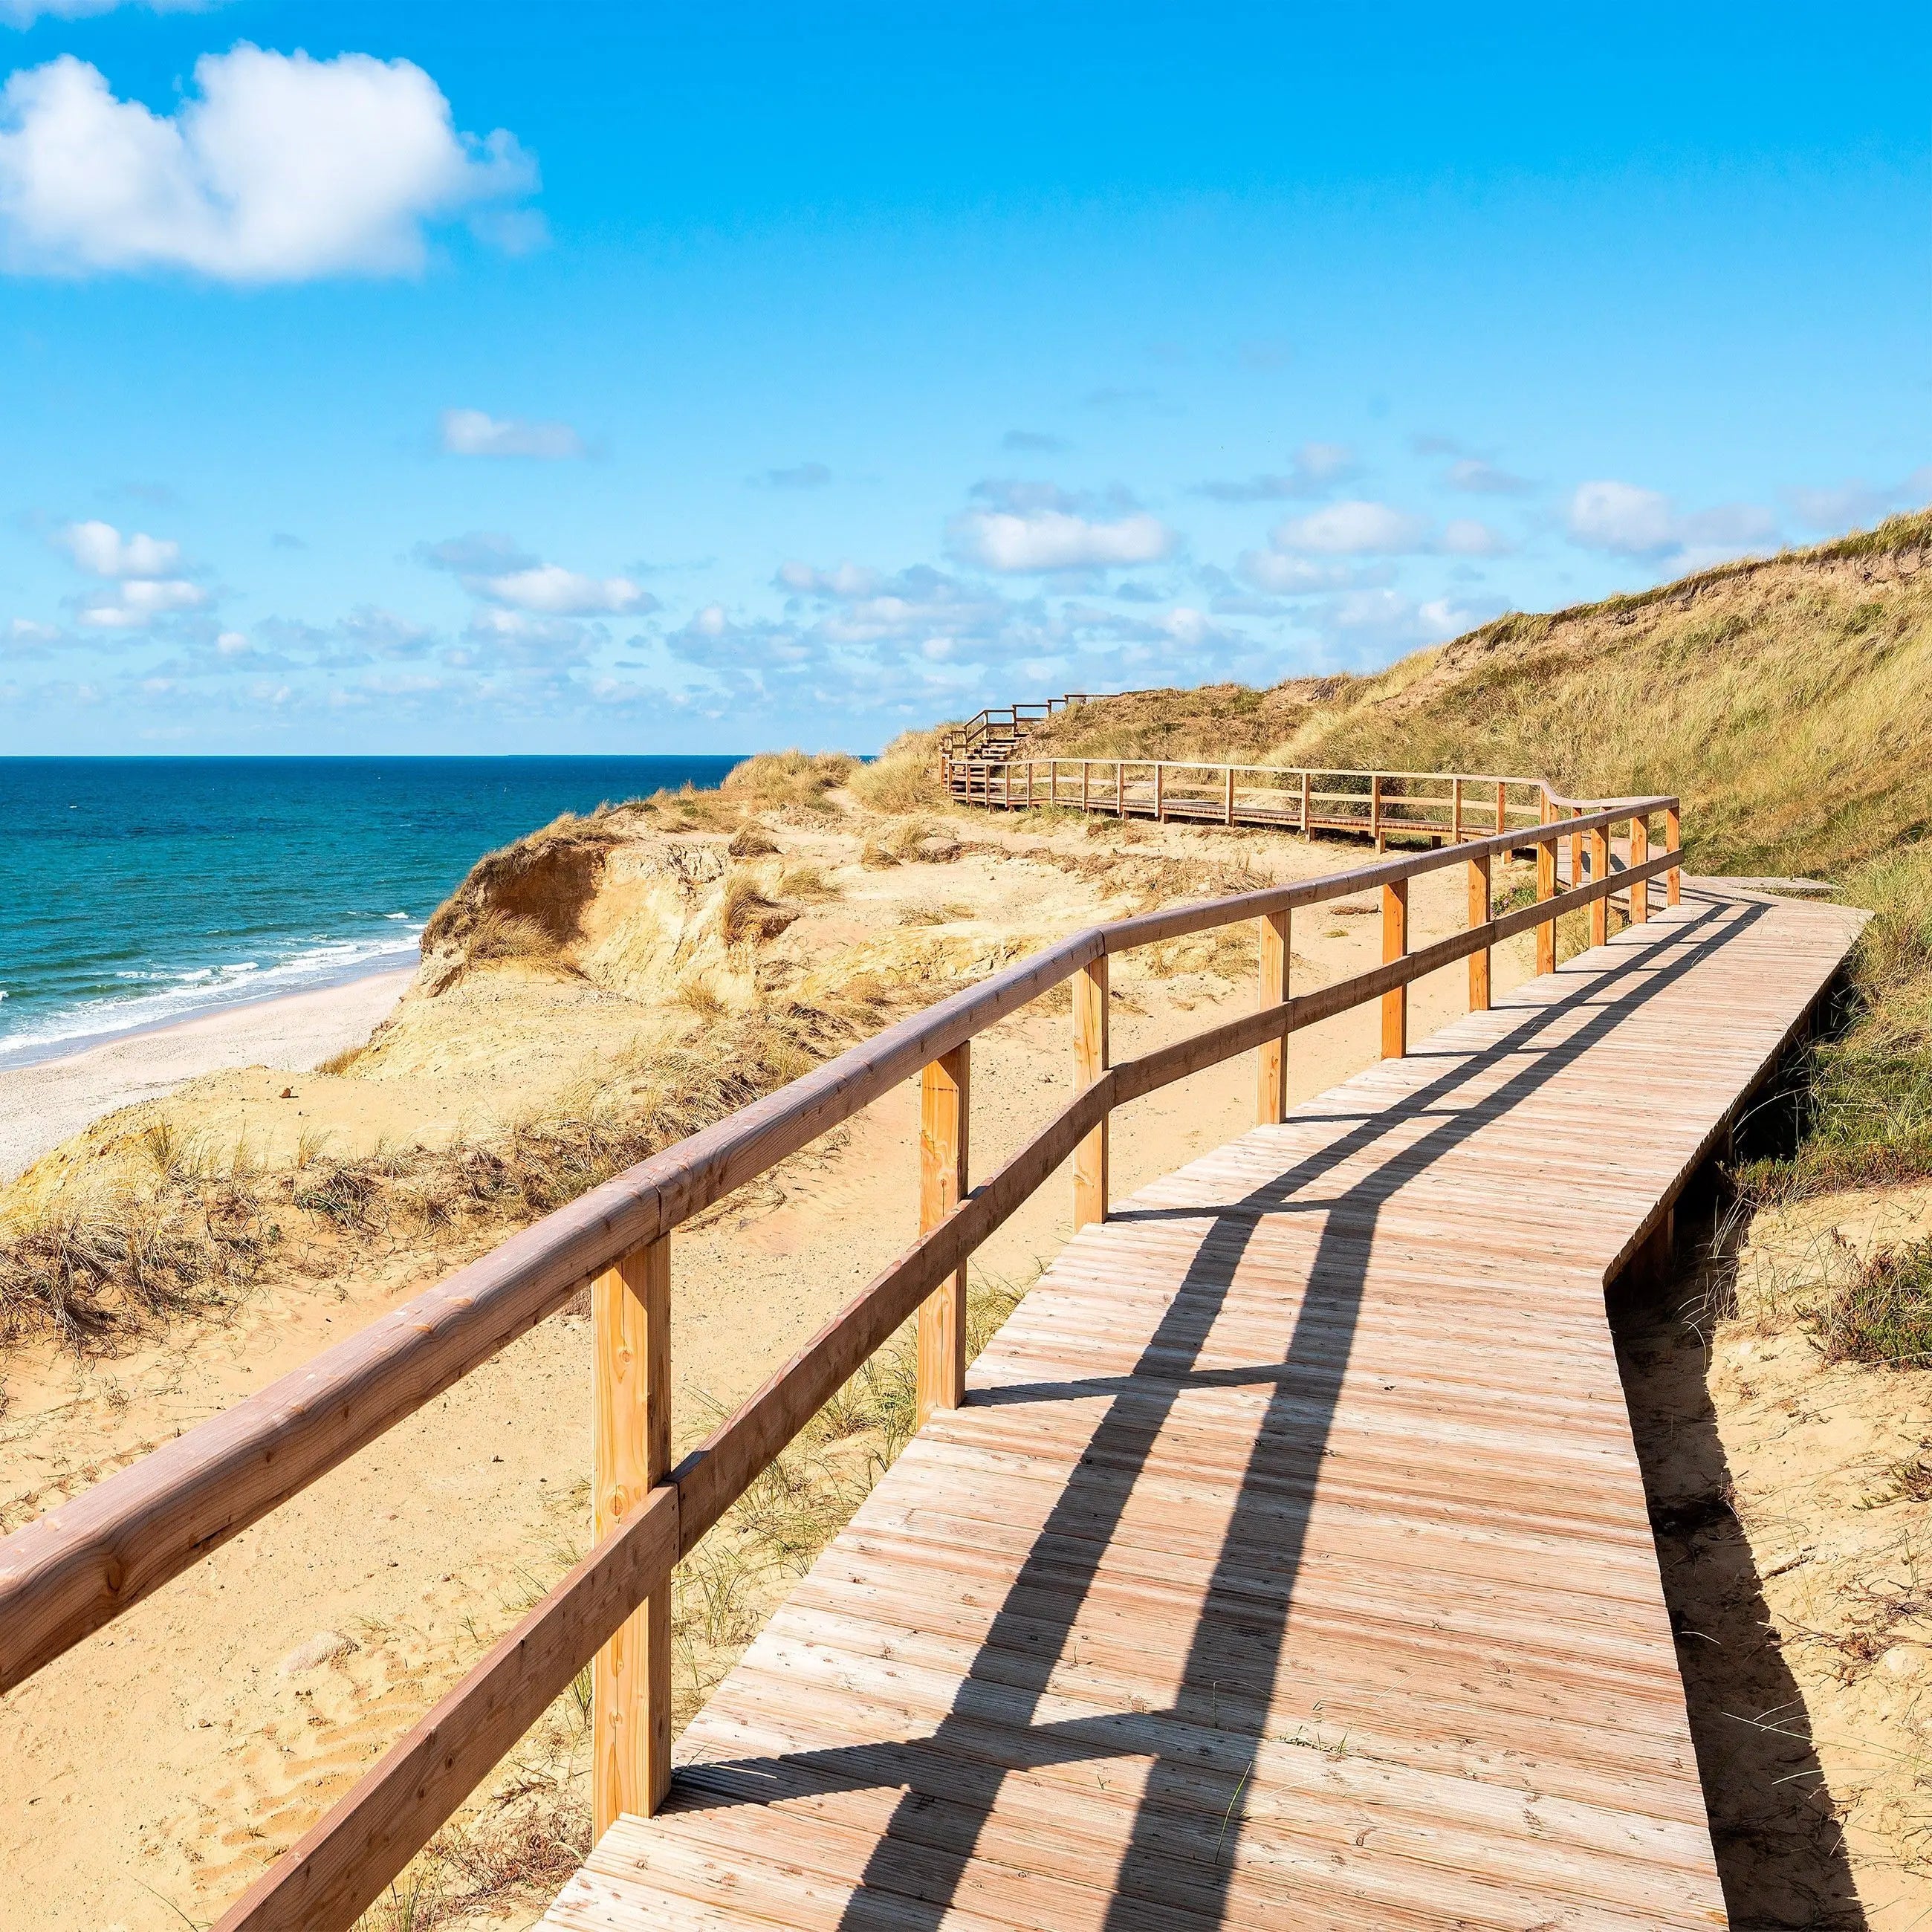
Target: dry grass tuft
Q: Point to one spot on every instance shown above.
(808, 884)
(781, 778)
(746, 915)
(1882, 1315)
(905, 777)
(751, 841)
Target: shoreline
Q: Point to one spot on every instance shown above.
(45, 1100)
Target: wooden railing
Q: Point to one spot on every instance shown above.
(1376, 804)
(1010, 722)
(87, 1562)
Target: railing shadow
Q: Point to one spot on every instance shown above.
(1188, 1819)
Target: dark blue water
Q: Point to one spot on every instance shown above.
(136, 891)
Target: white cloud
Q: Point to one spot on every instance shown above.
(475, 433)
(141, 600)
(1290, 576)
(1620, 516)
(1465, 536)
(557, 592)
(100, 550)
(26, 630)
(1353, 528)
(1047, 539)
(1630, 521)
(282, 168)
(25, 13)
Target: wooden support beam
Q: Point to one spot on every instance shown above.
(1673, 839)
(1375, 812)
(1090, 1061)
(1577, 850)
(631, 1675)
(1228, 804)
(1599, 868)
(1305, 778)
(1640, 851)
(1159, 793)
(1395, 943)
(1456, 811)
(945, 1107)
(1545, 889)
(1120, 787)
(1479, 915)
(1271, 1080)
(1086, 781)
(1502, 805)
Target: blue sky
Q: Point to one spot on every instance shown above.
(660, 378)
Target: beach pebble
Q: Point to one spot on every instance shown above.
(1902, 1660)
(317, 1651)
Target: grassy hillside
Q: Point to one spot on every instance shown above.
(1789, 701)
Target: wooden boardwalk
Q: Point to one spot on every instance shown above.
(1289, 1566)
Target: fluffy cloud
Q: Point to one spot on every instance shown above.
(1353, 528)
(280, 169)
(1286, 576)
(1465, 536)
(1047, 539)
(1628, 521)
(1858, 503)
(1317, 468)
(140, 600)
(474, 433)
(101, 550)
(557, 592)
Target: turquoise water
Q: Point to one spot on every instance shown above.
(137, 891)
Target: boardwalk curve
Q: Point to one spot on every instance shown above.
(1289, 1564)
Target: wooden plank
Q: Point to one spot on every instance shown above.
(631, 1414)
(1288, 1563)
(1395, 943)
(1479, 916)
(944, 1114)
(1090, 1060)
(1271, 1061)
(341, 1867)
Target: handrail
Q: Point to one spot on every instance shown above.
(1296, 798)
(85, 1563)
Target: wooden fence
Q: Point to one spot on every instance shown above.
(1376, 804)
(85, 1563)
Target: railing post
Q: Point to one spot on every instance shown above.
(1673, 841)
(1545, 889)
(1456, 811)
(1159, 793)
(1089, 1062)
(630, 1697)
(1086, 781)
(1227, 807)
(1395, 943)
(1305, 778)
(1600, 871)
(1271, 1079)
(1576, 849)
(1639, 891)
(945, 1106)
(1375, 812)
(1502, 804)
(1120, 788)
(1029, 784)
(1479, 915)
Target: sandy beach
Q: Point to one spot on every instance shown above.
(41, 1105)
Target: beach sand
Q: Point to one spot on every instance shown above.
(41, 1105)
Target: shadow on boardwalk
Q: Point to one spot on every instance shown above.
(1178, 1865)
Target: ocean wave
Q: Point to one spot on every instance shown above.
(189, 991)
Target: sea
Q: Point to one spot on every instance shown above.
(138, 892)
